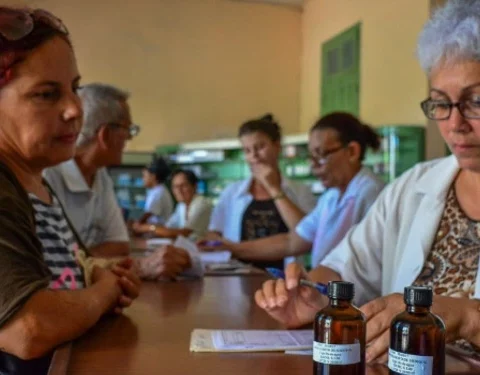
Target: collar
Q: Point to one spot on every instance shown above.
(354, 187)
(357, 181)
(73, 177)
(436, 181)
(244, 186)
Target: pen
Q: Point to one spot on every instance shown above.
(211, 243)
(279, 274)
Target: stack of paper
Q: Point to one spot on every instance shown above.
(249, 340)
(216, 257)
(156, 242)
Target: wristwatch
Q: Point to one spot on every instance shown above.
(152, 228)
(280, 195)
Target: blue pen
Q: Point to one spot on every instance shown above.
(279, 274)
(211, 243)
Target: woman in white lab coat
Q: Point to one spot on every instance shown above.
(425, 227)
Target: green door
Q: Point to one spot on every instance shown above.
(340, 73)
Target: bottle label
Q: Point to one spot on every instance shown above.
(409, 364)
(333, 354)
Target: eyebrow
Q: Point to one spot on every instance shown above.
(55, 83)
(469, 87)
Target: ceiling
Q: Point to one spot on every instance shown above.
(292, 3)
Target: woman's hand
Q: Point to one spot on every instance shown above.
(129, 282)
(268, 177)
(109, 281)
(138, 228)
(379, 314)
(460, 316)
(289, 302)
(165, 262)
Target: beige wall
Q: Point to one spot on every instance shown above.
(392, 83)
(196, 68)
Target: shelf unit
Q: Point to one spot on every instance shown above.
(128, 183)
(219, 163)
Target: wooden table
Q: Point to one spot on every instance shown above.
(154, 334)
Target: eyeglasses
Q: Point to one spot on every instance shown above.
(322, 159)
(16, 24)
(442, 109)
(132, 129)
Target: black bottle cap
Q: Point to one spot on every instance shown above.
(418, 296)
(341, 290)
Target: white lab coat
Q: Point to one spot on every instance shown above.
(387, 250)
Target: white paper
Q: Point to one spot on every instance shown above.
(186, 244)
(154, 242)
(262, 340)
(201, 341)
(216, 257)
(308, 352)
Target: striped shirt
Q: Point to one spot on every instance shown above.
(59, 244)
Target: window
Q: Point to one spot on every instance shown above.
(340, 82)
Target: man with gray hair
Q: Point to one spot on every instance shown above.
(86, 191)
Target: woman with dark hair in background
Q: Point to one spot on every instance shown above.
(159, 202)
(265, 204)
(192, 214)
(337, 145)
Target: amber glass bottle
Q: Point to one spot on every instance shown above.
(339, 343)
(417, 337)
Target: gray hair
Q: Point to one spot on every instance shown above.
(101, 104)
(452, 34)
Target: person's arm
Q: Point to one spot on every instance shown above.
(296, 207)
(298, 245)
(143, 219)
(290, 212)
(36, 328)
(271, 248)
(110, 249)
(268, 248)
(165, 232)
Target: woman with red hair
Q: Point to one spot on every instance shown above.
(40, 119)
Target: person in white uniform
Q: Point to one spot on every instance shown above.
(192, 214)
(266, 203)
(337, 145)
(85, 190)
(424, 229)
(158, 203)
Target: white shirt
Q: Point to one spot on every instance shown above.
(159, 203)
(228, 213)
(197, 218)
(335, 214)
(94, 212)
(387, 250)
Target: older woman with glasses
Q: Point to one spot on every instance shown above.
(425, 227)
(337, 144)
(40, 120)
